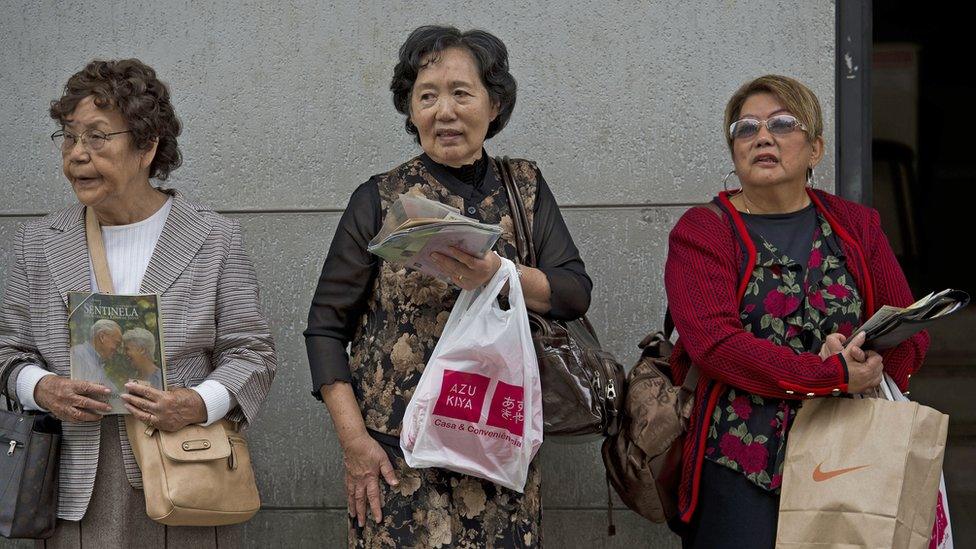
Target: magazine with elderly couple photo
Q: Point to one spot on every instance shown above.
(116, 339)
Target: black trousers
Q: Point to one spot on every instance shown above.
(732, 512)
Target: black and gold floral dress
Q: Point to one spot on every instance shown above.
(392, 317)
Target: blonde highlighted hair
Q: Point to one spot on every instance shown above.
(794, 96)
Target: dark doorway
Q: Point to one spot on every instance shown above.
(922, 56)
(924, 166)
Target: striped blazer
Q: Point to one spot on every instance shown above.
(212, 322)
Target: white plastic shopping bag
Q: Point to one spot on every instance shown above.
(478, 407)
(942, 529)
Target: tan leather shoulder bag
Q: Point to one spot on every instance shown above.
(197, 476)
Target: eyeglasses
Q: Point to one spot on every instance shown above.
(91, 140)
(781, 124)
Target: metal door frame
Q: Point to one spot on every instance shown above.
(852, 97)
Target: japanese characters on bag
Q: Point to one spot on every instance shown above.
(462, 397)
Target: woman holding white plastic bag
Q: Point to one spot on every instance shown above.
(478, 406)
(456, 91)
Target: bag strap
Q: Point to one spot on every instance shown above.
(715, 209)
(668, 321)
(691, 378)
(96, 249)
(668, 324)
(520, 220)
(12, 405)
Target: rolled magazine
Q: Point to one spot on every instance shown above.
(890, 325)
(416, 226)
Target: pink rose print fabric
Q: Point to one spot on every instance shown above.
(792, 303)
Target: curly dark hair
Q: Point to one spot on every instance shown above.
(130, 86)
(488, 51)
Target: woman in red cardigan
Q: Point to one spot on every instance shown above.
(764, 293)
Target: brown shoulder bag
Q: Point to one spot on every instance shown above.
(643, 460)
(582, 384)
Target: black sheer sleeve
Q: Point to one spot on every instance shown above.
(558, 258)
(343, 288)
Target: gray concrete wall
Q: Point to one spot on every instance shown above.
(286, 109)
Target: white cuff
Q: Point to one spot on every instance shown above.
(217, 399)
(26, 383)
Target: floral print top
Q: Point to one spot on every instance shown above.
(407, 309)
(790, 302)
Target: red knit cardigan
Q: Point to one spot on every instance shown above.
(705, 281)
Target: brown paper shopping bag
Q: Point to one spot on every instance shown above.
(861, 472)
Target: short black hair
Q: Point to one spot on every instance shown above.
(131, 87)
(489, 53)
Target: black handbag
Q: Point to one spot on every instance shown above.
(30, 455)
(582, 385)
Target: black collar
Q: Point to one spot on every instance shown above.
(473, 182)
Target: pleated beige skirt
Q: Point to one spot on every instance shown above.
(117, 517)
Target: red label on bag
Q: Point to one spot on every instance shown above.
(462, 395)
(507, 410)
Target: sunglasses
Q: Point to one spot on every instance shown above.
(781, 124)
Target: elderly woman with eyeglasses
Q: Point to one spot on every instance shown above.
(766, 285)
(118, 131)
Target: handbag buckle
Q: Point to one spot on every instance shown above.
(195, 445)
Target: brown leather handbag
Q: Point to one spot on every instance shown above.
(582, 384)
(197, 476)
(643, 460)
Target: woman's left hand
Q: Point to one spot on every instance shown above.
(465, 270)
(165, 410)
(833, 344)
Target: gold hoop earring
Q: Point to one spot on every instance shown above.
(725, 184)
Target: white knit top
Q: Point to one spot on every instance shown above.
(128, 249)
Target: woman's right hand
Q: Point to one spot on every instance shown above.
(365, 460)
(865, 369)
(71, 400)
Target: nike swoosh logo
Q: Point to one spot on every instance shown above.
(820, 476)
